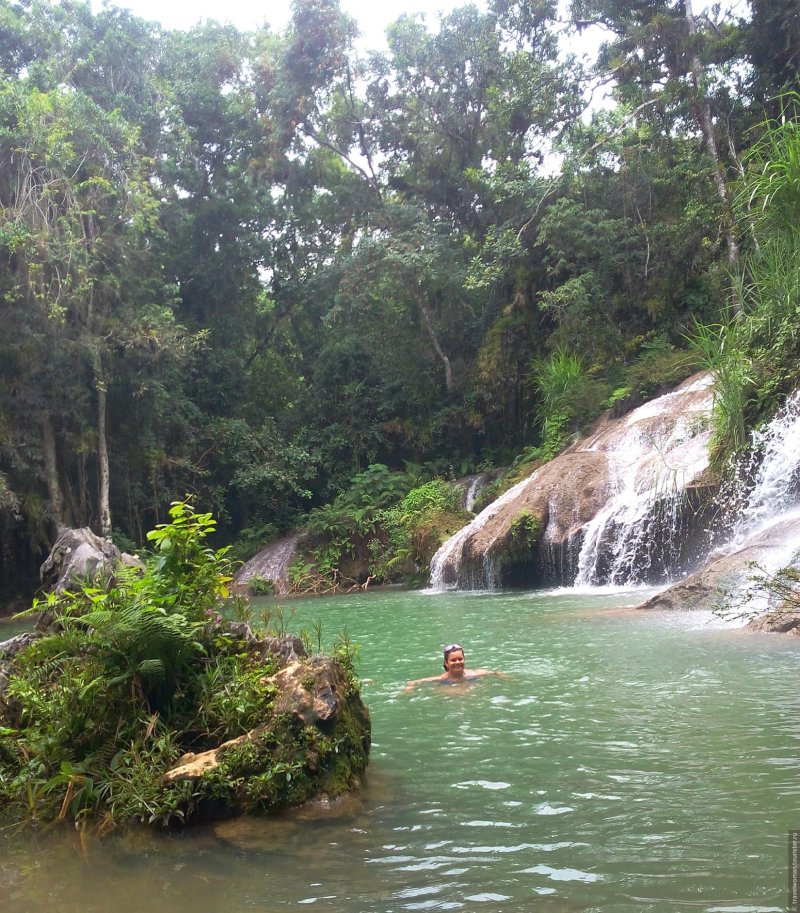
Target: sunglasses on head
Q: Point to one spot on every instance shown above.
(450, 647)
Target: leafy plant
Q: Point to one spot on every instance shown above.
(259, 586)
(569, 395)
(412, 531)
(95, 694)
(780, 589)
(721, 351)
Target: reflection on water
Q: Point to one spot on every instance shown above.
(630, 763)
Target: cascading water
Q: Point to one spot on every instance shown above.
(774, 466)
(445, 563)
(757, 536)
(475, 486)
(637, 536)
(767, 525)
(632, 532)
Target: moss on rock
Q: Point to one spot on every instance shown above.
(315, 741)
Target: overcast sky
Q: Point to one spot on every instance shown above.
(372, 15)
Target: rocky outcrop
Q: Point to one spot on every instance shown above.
(727, 583)
(622, 501)
(268, 570)
(78, 555)
(780, 621)
(529, 529)
(314, 741)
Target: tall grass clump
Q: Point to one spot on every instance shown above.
(754, 355)
(769, 282)
(722, 352)
(569, 396)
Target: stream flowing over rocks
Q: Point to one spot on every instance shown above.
(620, 506)
(632, 504)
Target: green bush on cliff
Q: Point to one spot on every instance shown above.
(412, 531)
(130, 677)
(754, 354)
(385, 523)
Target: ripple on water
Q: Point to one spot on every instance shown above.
(483, 784)
(544, 808)
(743, 908)
(562, 874)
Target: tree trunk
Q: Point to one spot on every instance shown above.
(426, 319)
(102, 451)
(54, 492)
(707, 127)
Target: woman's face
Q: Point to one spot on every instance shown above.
(455, 663)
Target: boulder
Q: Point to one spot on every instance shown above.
(724, 580)
(285, 649)
(78, 555)
(271, 565)
(314, 742)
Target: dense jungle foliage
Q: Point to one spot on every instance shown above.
(129, 676)
(250, 266)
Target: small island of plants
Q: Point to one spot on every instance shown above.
(137, 701)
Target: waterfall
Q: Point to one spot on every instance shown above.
(637, 537)
(633, 531)
(774, 466)
(445, 563)
(475, 486)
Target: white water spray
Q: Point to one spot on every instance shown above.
(652, 456)
(776, 483)
(652, 459)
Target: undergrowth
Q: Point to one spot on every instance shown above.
(127, 678)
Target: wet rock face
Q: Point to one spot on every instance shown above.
(724, 581)
(271, 564)
(785, 621)
(561, 497)
(596, 510)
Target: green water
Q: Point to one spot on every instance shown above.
(629, 762)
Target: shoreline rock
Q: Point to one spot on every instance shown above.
(725, 577)
(313, 745)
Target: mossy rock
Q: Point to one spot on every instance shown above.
(315, 742)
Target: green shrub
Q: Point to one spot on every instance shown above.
(260, 586)
(412, 531)
(128, 678)
(570, 396)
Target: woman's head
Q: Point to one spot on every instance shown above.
(453, 653)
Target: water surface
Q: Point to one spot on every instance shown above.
(629, 762)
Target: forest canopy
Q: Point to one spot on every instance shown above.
(248, 266)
